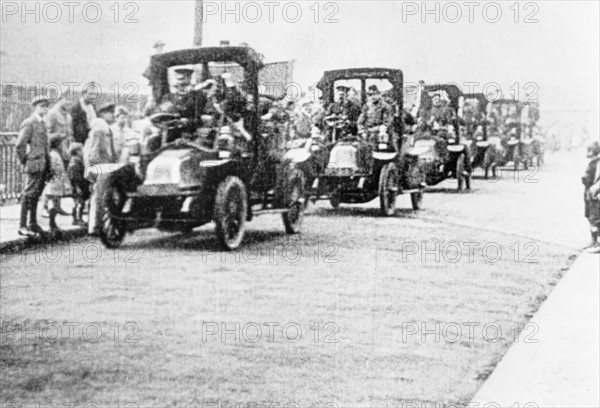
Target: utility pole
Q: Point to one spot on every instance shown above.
(198, 23)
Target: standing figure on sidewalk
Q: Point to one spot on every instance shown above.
(80, 185)
(58, 186)
(99, 149)
(59, 123)
(591, 181)
(83, 113)
(32, 153)
(121, 131)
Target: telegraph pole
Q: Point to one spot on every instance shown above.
(198, 23)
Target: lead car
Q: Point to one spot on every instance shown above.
(185, 181)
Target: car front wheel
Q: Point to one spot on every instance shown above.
(296, 202)
(388, 189)
(112, 231)
(230, 212)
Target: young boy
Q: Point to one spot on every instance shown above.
(58, 186)
(81, 187)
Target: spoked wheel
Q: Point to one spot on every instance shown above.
(295, 197)
(230, 212)
(334, 200)
(461, 179)
(416, 200)
(112, 231)
(388, 189)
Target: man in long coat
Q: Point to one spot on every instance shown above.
(33, 154)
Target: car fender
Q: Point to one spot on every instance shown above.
(384, 156)
(455, 148)
(297, 155)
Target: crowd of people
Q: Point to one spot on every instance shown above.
(57, 146)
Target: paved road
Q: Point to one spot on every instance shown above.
(358, 311)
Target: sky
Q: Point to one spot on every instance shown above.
(549, 47)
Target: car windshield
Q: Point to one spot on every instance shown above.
(201, 73)
(440, 95)
(472, 105)
(353, 89)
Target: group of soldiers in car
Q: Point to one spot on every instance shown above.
(210, 105)
(376, 112)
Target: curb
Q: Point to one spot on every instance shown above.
(13, 246)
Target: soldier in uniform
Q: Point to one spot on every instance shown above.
(185, 101)
(33, 153)
(376, 111)
(344, 106)
(591, 181)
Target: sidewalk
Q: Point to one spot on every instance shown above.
(10, 240)
(562, 369)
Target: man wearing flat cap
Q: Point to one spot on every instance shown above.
(159, 46)
(33, 153)
(99, 149)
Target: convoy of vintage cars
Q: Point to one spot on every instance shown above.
(225, 160)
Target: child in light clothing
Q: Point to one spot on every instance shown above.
(59, 185)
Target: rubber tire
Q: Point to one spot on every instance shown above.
(387, 199)
(416, 200)
(223, 199)
(294, 195)
(334, 201)
(460, 168)
(112, 231)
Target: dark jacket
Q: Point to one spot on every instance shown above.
(589, 177)
(33, 134)
(189, 106)
(592, 204)
(81, 127)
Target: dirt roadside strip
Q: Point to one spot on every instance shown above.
(561, 369)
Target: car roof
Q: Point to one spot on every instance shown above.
(245, 56)
(453, 91)
(158, 71)
(358, 73)
(479, 96)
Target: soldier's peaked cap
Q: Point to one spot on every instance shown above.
(184, 71)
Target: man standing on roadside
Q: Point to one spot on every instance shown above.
(99, 149)
(83, 113)
(591, 182)
(32, 152)
(120, 130)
